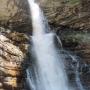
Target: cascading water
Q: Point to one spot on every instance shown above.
(77, 78)
(48, 71)
(48, 66)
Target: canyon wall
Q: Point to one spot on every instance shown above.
(70, 19)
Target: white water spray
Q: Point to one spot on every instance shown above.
(37, 18)
(48, 67)
(78, 81)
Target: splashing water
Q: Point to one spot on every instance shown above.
(48, 69)
(78, 81)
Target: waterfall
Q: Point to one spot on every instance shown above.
(38, 20)
(48, 67)
(47, 71)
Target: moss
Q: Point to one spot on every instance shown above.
(73, 1)
(73, 39)
(83, 37)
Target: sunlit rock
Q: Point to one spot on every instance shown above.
(11, 58)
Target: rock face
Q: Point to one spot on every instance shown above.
(10, 60)
(14, 14)
(7, 9)
(12, 10)
(12, 55)
(74, 13)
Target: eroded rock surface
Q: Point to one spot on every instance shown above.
(12, 55)
(74, 13)
(10, 59)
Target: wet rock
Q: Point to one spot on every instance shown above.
(78, 42)
(67, 12)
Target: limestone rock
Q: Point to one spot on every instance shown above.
(15, 14)
(11, 9)
(11, 58)
(67, 12)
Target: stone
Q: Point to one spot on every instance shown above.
(11, 58)
(15, 14)
(11, 81)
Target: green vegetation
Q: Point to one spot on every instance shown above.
(78, 37)
(73, 1)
